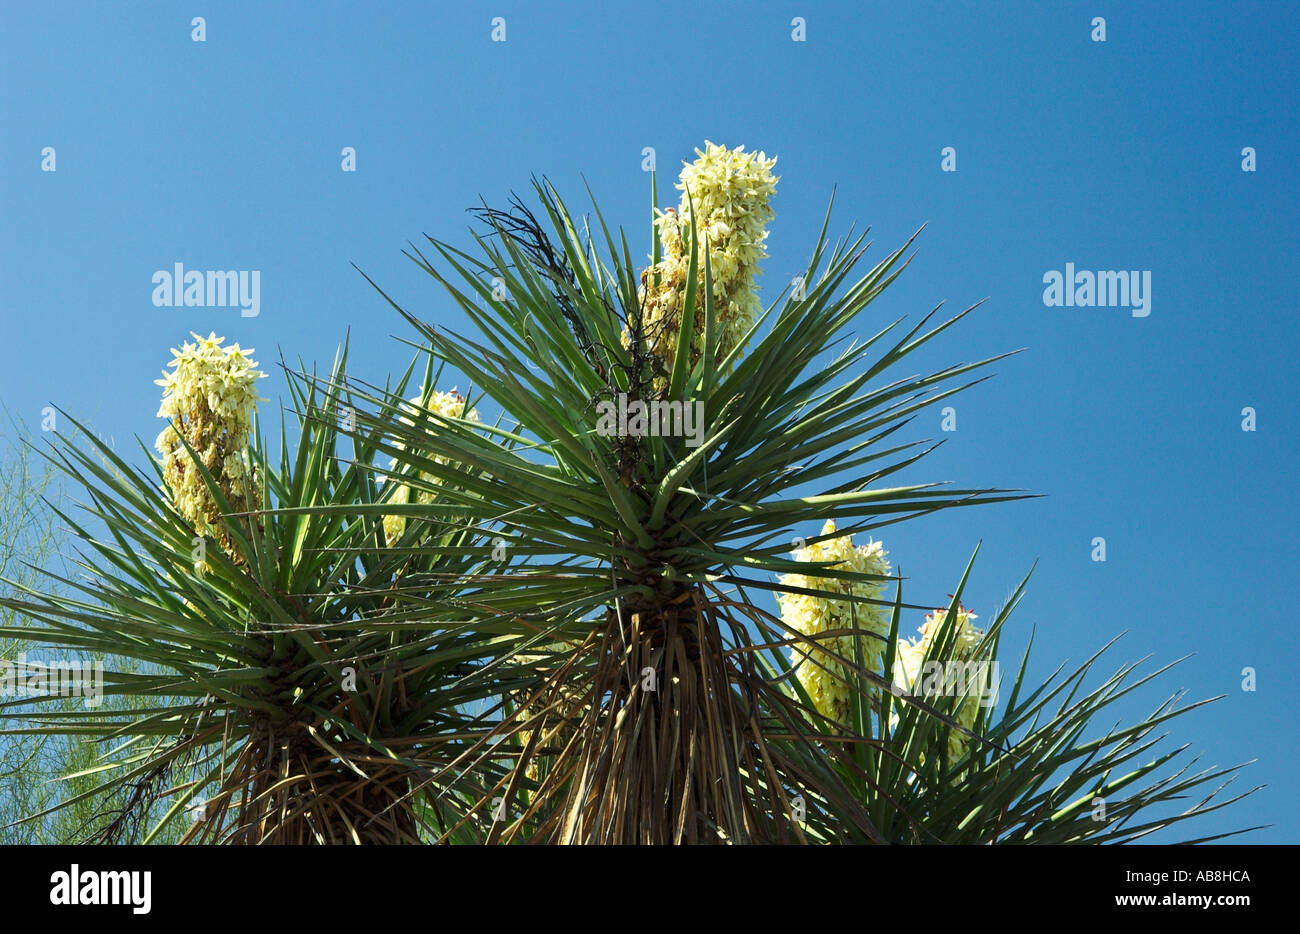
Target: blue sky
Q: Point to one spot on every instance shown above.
(1123, 154)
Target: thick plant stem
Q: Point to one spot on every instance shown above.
(660, 760)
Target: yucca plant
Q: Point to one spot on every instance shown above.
(946, 756)
(655, 541)
(282, 693)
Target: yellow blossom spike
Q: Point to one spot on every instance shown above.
(209, 398)
(825, 678)
(909, 671)
(726, 196)
(448, 405)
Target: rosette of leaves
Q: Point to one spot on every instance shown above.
(648, 551)
(1035, 768)
(288, 695)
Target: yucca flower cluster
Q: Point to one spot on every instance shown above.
(826, 679)
(909, 661)
(730, 191)
(448, 405)
(209, 397)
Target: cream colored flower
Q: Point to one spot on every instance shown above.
(929, 680)
(209, 397)
(968, 637)
(725, 199)
(823, 676)
(448, 405)
(908, 658)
